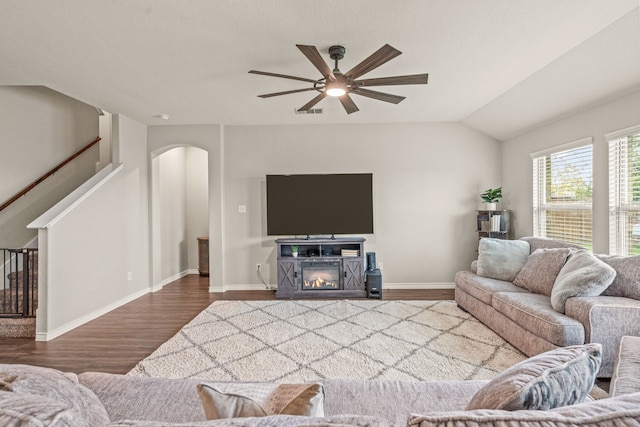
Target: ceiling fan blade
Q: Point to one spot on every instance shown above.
(313, 102)
(284, 76)
(287, 92)
(348, 104)
(313, 55)
(414, 79)
(379, 57)
(380, 96)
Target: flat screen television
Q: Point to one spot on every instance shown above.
(319, 204)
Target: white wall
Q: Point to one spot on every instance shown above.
(88, 254)
(39, 129)
(594, 122)
(173, 212)
(197, 182)
(427, 181)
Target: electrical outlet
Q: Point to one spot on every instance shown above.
(258, 267)
(379, 265)
(129, 276)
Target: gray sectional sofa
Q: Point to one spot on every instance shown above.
(34, 396)
(525, 316)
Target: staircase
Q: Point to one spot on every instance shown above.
(18, 293)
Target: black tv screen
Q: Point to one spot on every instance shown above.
(319, 204)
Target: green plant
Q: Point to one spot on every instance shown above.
(294, 248)
(492, 195)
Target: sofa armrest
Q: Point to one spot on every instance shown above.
(474, 266)
(606, 320)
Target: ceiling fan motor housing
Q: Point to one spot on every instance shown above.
(336, 52)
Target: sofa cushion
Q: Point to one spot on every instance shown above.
(583, 275)
(483, 288)
(501, 259)
(55, 385)
(541, 269)
(534, 313)
(627, 280)
(555, 378)
(616, 411)
(626, 367)
(536, 243)
(232, 400)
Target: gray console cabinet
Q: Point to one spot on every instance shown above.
(337, 265)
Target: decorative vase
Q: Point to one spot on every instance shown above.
(294, 254)
(492, 206)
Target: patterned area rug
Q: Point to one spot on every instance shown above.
(301, 340)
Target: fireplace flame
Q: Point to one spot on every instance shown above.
(320, 283)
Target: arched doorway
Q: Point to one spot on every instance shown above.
(179, 211)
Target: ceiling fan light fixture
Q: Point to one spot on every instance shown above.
(335, 89)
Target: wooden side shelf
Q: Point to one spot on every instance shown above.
(495, 224)
(340, 261)
(203, 256)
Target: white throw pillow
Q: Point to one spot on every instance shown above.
(233, 400)
(583, 275)
(501, 259)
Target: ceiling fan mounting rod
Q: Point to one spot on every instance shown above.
(336, 53)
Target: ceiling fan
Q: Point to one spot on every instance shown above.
(335, 83)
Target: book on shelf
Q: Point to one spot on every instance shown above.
(350, 252)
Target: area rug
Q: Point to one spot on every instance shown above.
(302, 340)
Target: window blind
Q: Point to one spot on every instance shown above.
(624, 193)
(562, 194)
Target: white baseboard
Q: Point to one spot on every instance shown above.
(403, 286)
(47, 336)
(408, 286)
(173, 278)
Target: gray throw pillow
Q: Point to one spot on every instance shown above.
(559, 377)
(583, 275)
(18, 410)
(627, 281)
(55, 385)
(501, 259)
(233, 400)
(539, 273)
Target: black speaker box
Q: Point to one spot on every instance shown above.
(374, 283)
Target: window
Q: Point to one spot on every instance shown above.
(562, 193)
(624, 191)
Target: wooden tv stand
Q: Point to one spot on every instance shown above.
(340, 261)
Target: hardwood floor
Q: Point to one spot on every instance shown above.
(116, 341)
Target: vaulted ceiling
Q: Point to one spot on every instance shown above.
(500, 66)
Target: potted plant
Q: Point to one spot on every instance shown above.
(294, 251)
(491, 197)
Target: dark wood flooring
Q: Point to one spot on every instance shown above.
(118, 340)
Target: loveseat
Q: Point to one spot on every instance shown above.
(511, 292)
(35, 396)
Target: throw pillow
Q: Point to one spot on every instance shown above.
(627, 281)
(232, 400)
(539, 273)
(55, 385)
(559, 377)
(501, 259)
(583, 275)
(33, 410)
(546, 243)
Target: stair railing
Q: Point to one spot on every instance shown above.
(19, 290)
(48, 174)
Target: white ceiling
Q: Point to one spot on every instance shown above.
(500, 66)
